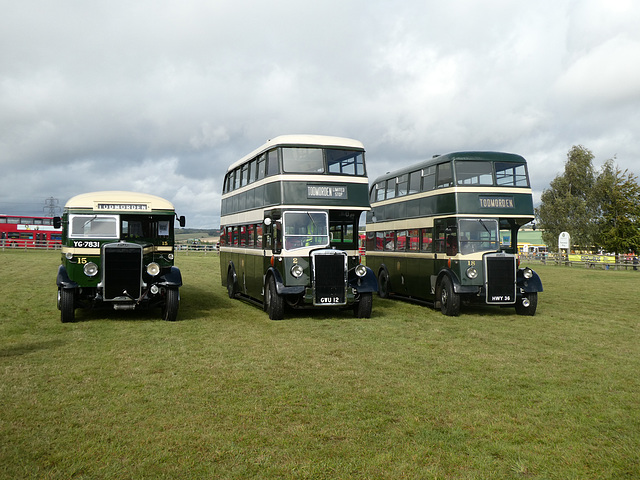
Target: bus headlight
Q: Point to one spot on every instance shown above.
(472, 273)
(528, 273)
(170, 256)
(297, 271)
(153, 269)
(361, 270)
(90, 269)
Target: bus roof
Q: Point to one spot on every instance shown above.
(113, 201)
(300, 140)
(470, 155)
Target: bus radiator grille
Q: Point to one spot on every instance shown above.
(500, 279)
(329, 279)
(122, 270)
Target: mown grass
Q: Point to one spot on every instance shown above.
(226, 393)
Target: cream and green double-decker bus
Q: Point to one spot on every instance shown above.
(118, 250)
(445, 231)
(289, 226)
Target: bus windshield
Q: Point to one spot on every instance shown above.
(94, 226)
(478, 235)
(305, 229)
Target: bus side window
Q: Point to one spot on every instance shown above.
(272, 164)
(414, 182)
(429, 179)
(401, 240)
(262, 167)
(440, 238)
(403, 184)
(389, 241)
(380, 190)
(414, 240)
(259, 236)
(426, 241)
(445, 177)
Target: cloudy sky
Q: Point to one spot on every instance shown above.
(161, 96)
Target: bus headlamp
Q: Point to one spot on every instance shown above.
(170, 256)
(472, 273)
(361, 270)
(153, 269)
(528, 273)
(90, 269)
(68, 255)
(297, 271)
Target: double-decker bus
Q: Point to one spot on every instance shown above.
(289, 225)
(445, 231)
(22, 231)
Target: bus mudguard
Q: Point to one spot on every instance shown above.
(173, 278)
(280, 286)
(63, 279)
(528, 285)
(368, 283)
(457, 286)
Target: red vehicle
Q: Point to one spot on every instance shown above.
(23, 231)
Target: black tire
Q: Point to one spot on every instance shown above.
(67, 304)
(383, 284)
(171, 304)
(449, 300)
(529, 310)
(273, 303)
(231, 285)
(362, 309)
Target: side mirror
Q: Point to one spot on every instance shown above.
(182, 221)
(57, 222)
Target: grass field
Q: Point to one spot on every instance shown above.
(227, 393)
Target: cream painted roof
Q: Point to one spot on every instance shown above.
(119, 201)
(301, 140)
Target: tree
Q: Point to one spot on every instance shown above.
(618, 218)
(569, 204)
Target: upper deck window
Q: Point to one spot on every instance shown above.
(445, 175)
(302, 160)
(511, 174)
(474, 173)
(415, 179)
(346, 162)
(402, 184)
(94, 226)
(272, 162)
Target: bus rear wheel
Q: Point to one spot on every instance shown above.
(527, 304)
(273, 302)
(449, 299)
(383, 284)
(231, 285)
(362, 309)
(66, 303)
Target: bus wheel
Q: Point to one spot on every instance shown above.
(531, 301)
(362, 309)
(231, 285)
(449, 300)
(274, 303)
(383, 284)
(66, 300)
(171, 303)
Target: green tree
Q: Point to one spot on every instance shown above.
(618, 221)
(569, 204)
